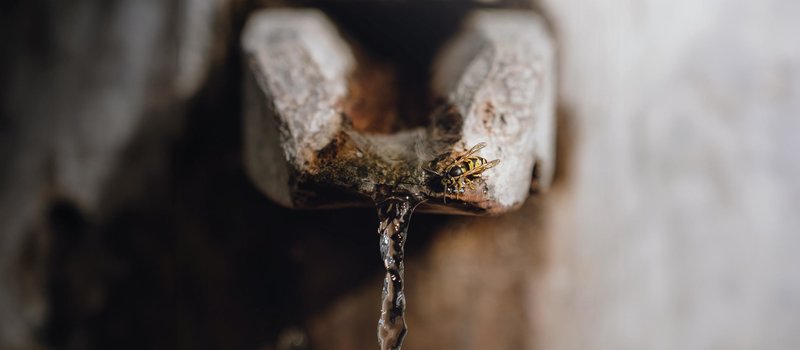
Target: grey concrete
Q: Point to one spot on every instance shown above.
(679, 226)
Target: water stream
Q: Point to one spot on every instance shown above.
(394, 216)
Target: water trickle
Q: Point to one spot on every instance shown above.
(394, 216)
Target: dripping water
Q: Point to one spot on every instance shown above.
(394, 215)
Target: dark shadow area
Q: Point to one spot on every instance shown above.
(195, 257)
(395, 44)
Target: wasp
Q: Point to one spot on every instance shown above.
(459, 172)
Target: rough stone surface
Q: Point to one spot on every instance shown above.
(296, 71)
(302, 151)
(499, 74)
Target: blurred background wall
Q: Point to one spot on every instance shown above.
(126, 220)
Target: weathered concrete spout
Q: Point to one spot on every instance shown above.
(496, 81)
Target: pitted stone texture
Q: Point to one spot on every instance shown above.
(296, 77)
(495, 80)
(499, 74)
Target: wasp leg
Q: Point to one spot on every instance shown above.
(464, 184)
(459, 187)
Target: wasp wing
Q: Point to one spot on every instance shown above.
(482, 168)
(428, 169)
(473, 150)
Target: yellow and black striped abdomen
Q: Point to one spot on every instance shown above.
(466, 166)
(474, 162)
